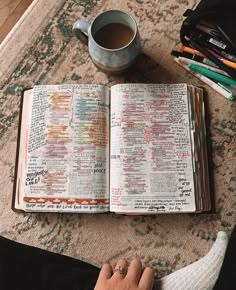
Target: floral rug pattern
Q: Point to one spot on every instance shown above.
(166, 242)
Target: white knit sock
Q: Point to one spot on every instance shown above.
(202, 274)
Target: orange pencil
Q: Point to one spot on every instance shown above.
(190, 50)
(228, 62)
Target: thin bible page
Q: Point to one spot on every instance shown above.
(68, 149)
(150, 157)
(22, 155)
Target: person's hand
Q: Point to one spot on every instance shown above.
(124, 277)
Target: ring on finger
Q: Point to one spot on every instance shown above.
(120, 270)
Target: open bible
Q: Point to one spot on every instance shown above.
(131, 148)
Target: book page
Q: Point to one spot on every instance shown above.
(68, 149)
(22, 147)
(150, 157)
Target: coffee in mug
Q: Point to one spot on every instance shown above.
(114, 35)
(113, 40)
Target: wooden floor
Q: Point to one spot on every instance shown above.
(10, 13)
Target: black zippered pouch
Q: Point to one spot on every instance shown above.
(211, 29)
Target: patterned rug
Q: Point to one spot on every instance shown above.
(42, 50)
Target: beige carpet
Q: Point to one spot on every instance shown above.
(41, 49)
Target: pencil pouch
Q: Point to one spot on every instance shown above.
(210, 29)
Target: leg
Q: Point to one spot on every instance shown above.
(201, 274)
(226, 279)
(25, 267)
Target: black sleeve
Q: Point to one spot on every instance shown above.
(30, 268)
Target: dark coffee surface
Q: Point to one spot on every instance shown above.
(114, 35)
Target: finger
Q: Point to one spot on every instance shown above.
(147, 279)
(134, 271)
(105, 272)
(122, 266)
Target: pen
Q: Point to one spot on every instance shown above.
(194, 57)
(190, 50)
(228, 63)
(225, 61)
(220, 62)
(213, 75)
(221, 54)
(219, 88)
(212, 40)
(187, 61)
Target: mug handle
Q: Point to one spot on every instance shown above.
(80, 29)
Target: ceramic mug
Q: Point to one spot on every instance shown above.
(113, 40)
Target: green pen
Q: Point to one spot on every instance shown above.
(211, 74)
